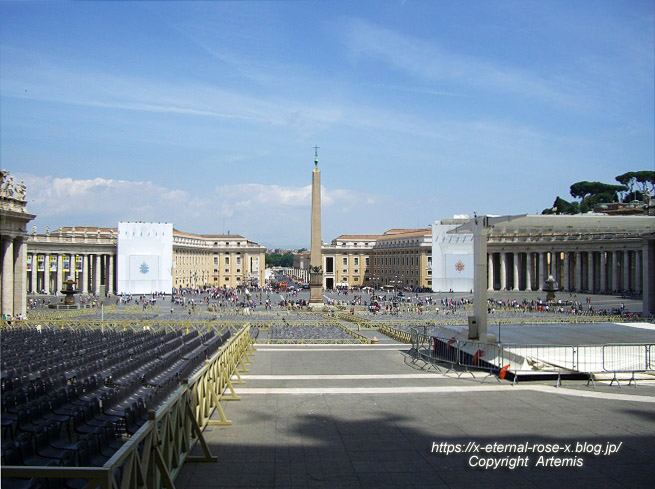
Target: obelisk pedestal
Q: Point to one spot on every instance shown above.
(316, 255)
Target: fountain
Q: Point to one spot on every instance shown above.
(551, 288)
(69, 296)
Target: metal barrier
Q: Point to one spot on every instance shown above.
(315, 341)
(621, 358)
(358, 336)
(154, 455)
(533, 359)
(362, 323)
(427, 348)
(538, 357)
(478, 355)
(396, 334)
(625, 358)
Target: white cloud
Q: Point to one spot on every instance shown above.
(270, 214)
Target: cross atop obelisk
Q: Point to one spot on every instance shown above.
(316, 255)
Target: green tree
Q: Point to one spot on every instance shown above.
(279, 260)
(287, 260)
(592, 193)
(585, 189)
(628, 179)
(561, 206)
(646, 179)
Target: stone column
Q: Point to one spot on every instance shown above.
(59, 283)
(590, 271)
(528, 271)
(542, 270)
(638, 275)
(46, 274)
(578, 271)
(490, 271)
(8, 275)
(567, 280)
(603, 272)
(210, 278)
(515, 270)
(110, 274)
(83, 275)
(104, 278)
(648, 273)
(96, 276)
(33, 288)
(20, 276)
(615, 271)
(626, 270)
(503, 270)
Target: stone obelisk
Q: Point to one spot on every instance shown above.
(316, 256)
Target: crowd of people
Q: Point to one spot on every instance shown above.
(367, 300)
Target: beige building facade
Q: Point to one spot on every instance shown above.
(402, 258)
(87, 255)
(399, 258)
(347, 261)
(217, 260)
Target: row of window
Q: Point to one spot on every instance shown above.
(390, 271)
(227, 260)
(344, 261)
(186, 260)
(398, 260)
(386, 260)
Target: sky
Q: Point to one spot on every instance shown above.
(206, 114)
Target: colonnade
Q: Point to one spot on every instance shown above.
(299, 273)
(48, 271)
(593, 271)
(13, 275)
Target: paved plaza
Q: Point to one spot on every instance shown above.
(355, 415)
(367, 416)
(597, 301)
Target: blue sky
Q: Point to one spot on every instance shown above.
(205, 114)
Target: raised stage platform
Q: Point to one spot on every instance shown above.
(625, 350)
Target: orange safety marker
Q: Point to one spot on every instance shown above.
(503, 371)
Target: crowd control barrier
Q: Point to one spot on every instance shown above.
(520, 360)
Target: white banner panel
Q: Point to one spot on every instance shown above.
(145, 258)
(144, 267)
(452, 257)
(459, 266)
